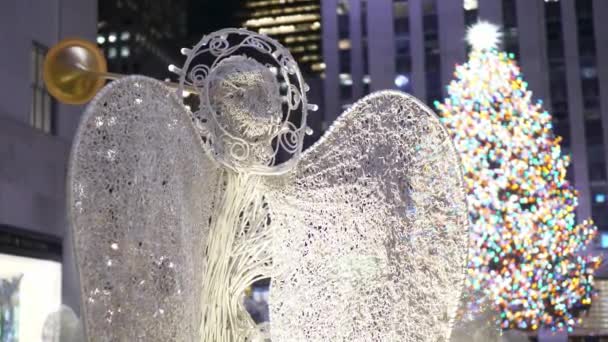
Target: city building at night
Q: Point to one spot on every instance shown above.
(414, 45)
(141, 37)
(294, 23)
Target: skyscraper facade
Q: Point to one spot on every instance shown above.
(294, 23)
(143, 36)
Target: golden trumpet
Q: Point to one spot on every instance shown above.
(75, 70)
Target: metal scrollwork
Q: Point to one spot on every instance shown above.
(250, 90)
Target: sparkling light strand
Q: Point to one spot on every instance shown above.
(528, 258)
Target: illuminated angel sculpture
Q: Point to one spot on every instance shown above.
(175, 213)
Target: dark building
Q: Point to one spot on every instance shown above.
(206, 16)
(142, 36)
(294, 23)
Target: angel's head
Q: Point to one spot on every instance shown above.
(244, 96)
(252, 100)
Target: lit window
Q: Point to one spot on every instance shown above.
(286, 19)
(401, 10)
(589, 72)
(346, 79)
(283, 10)
(124, 51)
(112, 52)
(271, 2)
(112, 37)
(600, 198)
(343, 7)
(125, 36)
(42, 113)
(101, 40)
(604, 240)
(278, 29)
(318, 67)
(401, 81)
(367, 79)
(309, 58)
(344, 44)
(471, 5)
(292, 39)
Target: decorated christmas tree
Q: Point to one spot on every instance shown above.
(528, 256)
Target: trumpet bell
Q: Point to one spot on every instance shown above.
(71, 71)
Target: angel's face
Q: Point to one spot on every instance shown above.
(244, 96)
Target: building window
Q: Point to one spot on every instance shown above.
(509, 18)
(346, 92)
(344, 44)
(346, 86)
(403, 65)
(346, 79)
(112, 53)
(364, 52)
(557, 72)
(366, 81)
(599, 202)
(590, 91)
(604, 240)
(345, 61)
(431, 52)
(343, 19)
(344, 51)
(125, 36)
(470, 5)
(124, 51)
(570, 169)
(42, 112)
(562, 129)
(470, 11)
(401, 17)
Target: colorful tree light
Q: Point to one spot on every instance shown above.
(528, 256)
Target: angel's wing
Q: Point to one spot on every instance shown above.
(372, 230)
(139, 187)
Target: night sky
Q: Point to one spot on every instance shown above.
(206, 16)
